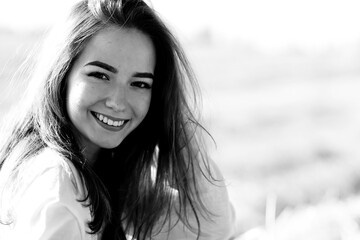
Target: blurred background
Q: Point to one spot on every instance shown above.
(280, 84)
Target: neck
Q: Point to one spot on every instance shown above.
(91, 155)
(89, 150)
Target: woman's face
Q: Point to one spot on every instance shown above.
(109, 87)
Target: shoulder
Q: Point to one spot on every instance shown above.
(46, 197)
(218, 221)
(47, 176)
(48, 159)
(55, 172)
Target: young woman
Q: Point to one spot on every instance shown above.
(108, 147)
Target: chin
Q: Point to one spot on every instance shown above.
(110, 145)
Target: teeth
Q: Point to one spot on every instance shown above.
(109, 121)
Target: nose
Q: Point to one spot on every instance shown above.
(117, 100)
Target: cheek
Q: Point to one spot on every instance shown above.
(80, 94)
(147, 104)
(143, 105)
(74, 97)
(79, 98)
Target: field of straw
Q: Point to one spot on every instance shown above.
(287, 132)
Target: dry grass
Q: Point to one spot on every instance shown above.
(286, 125)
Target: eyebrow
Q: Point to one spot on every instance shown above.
(144, 75)
(103, 65)
(114, 70)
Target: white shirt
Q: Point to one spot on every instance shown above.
(46, 206)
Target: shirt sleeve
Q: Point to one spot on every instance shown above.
(48, 209)
(218, 225)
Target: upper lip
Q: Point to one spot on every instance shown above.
(110, 117)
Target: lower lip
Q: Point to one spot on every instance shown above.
(108, 127)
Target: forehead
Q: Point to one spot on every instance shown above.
(120, 46)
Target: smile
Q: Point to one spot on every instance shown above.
(111, 122)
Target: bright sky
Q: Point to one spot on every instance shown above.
(268, 23)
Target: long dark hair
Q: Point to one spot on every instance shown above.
(132, 188)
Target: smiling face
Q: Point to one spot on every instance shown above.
(109, 87)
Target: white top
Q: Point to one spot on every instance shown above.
(45, 205)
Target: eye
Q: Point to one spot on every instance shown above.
(140, 84)
(99, 75)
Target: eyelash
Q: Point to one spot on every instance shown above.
(102, 76)
(99, 75)
(142, 85)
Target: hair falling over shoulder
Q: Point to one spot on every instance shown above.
(134, 187)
